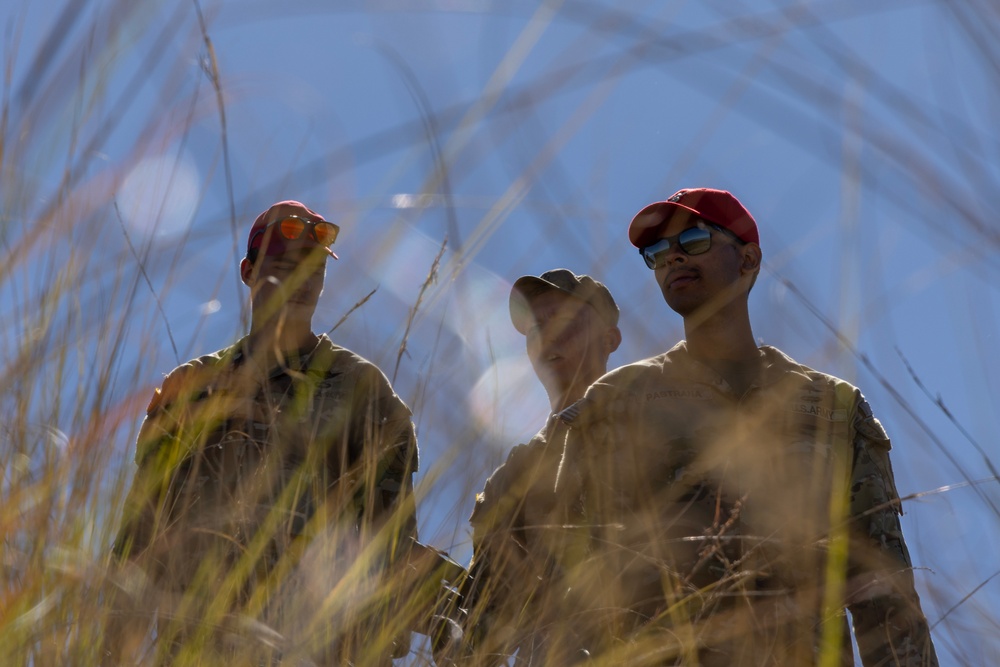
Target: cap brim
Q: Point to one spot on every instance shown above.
(646, 224)
(522, 292)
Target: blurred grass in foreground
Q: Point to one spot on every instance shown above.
(81, 316)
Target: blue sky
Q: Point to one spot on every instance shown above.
(862, 139)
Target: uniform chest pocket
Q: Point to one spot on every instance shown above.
(792, 487)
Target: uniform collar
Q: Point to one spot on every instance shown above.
(303, 360)
(776, 366)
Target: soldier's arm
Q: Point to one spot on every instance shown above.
(145, 497)
(179, 416)
(889, 625)
(383, 431)
(497, 553)
(129, 595)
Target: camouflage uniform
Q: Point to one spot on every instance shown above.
(512, 592)
(258, 492)
(728, 529)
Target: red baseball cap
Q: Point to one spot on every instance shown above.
(715, 206)
(276, 244)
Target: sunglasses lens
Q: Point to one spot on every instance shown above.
(695, 241)
(656, 253)
(291, 228)
(326, 233)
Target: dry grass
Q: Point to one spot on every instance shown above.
(93, 310)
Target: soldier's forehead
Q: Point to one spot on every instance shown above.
(556, 301)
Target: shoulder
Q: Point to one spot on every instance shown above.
(650, 366)
(778, 365)
(366, 380)
(675, 362)
(522, 461)
(524, 457)
(193, 378)
(833, 390)
(616, 389)
(635, 374)
(342, 361)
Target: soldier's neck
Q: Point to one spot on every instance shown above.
(560, 400)
(725, 335)
(271, 345)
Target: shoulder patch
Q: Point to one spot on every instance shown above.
(872, 429)
(868, 426)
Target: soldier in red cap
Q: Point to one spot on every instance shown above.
(271, 474)
(735, 501)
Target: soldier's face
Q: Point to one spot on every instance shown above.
(289, 284)
(690, 281)
(566, 341)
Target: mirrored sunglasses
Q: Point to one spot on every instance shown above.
(692, 241)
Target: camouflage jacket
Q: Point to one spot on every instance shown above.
(751, 519)
(241, 468)
(511, 575)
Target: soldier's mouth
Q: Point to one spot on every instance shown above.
(681, 279)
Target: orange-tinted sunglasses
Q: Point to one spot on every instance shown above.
(292, 228)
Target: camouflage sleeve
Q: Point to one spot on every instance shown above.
(183, 413)
(889, 625)
(497, 505)
(385, 435)
(498, 565)
(138, 511)
(160, 427)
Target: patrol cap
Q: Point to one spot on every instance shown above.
(276, 245)
(716, 206)
(565, 281)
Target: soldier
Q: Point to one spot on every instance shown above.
(736, 500)
(570, 324)
(271, 473)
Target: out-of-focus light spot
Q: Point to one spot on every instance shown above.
(402, 265)
(480, 315)
(210, 307)
(402, 201)
(416, 201)
(56, 438)
(39, 457)
(508, 402)
(159, 196)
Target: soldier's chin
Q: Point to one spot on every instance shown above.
(300, 303)
(295, 310)
(551, 378)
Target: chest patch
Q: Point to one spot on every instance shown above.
(675, 393)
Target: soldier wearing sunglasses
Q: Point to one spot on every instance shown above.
(274, 483)
(514, 596)
(733, 501)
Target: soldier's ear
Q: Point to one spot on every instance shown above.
(751, 258)
(612, 339)
(246, 272)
